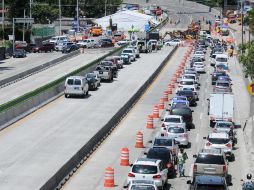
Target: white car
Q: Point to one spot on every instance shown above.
(190, 76)
(87, 43)
(199, 54)
(179, 133)
(220, 141)
(187, 83)
(172, 120)
(223, 126)
(199, 67)
(149, 169)
(131, 53)
(173, 42)
(137, 54)
(142, 184)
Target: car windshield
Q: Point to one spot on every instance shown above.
(218, 140)
(189, 77)
(142, 187)
(162, 142)
(198, 52)
(164, 156)
(144, 169)
(210, 159)
(172, 120)
(223, 125)
(176, 130)
(224, 84)
(90, 76)
(187, 82)
(185, 93)
(210, 187)
(127, 51)
(181, 111)
(221, 59)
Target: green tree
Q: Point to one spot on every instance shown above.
(44, 14)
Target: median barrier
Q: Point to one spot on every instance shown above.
(67, 168)
(18, 108)
(37, 69)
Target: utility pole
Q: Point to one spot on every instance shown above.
(3, 9)
(105, 8)
(60, 17)
(30, 10)
(242, 22)
(24, 26)
(77, 15)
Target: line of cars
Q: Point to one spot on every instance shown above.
(61, 43)
(153, 169)
(210, 168)
(106, 70)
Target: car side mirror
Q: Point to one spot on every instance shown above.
(167, 109)
(150, 141)
(162, 119)
(204, 137)
(169, 104)
(125, 186)
(208, 99)
(192, 110)
(188, 182)
(145, 153)
(131, 165)
(176, 142)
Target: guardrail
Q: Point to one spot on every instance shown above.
(70, 167)
(19, 107)
(25, 74)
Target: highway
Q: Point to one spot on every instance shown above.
(108, 155)
(49, 137)
(44, 77)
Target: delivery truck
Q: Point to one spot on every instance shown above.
(220, 107)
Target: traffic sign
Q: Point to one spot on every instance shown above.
(250, 88)
(24, 20)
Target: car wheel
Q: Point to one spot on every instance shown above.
(87, 92)
(66, 95)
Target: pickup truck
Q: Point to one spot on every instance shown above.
(112, 66)
(87, 43)
(131, 53)
(104, 72)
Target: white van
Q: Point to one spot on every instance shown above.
(58, 39)
(76, 85)
(221, 59)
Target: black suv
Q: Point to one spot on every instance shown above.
(166, 156)
(189, 94)
(183, 111)
(216, 75)
(208, 182)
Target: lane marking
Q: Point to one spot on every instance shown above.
(201, 116)
(197, 137)
(191, 170)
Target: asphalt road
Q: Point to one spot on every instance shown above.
(44, 77)
(34, 148)
(124, 135)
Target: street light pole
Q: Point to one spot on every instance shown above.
(242, 21)
(77, 15)
(30, 13)
(105, 8)
(60, 17)
(3, 17)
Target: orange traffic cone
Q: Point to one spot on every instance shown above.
(149, 123)
(161, 104)
(156, 113)
(139, 140)
(124, 157)
(109, 177)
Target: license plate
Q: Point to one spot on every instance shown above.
(76, 88)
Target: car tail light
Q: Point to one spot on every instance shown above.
(229, 145)
(169, 165)
(194, 168)
(208, 144)
(224, 168)
(156, 176)
(163, 125)
(131, 175)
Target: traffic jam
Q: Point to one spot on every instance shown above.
(165, 158)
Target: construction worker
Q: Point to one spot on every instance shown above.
(181, 159)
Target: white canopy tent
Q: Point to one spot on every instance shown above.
(126, 19)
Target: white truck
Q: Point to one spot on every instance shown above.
(220, 107)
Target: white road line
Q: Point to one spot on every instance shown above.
(205, 90)
(197, 137)
(191, 170)
(200, 116)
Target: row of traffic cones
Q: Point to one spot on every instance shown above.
(124, 160)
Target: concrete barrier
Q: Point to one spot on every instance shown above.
(27, 73)
(22, 106)
(68, 168)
